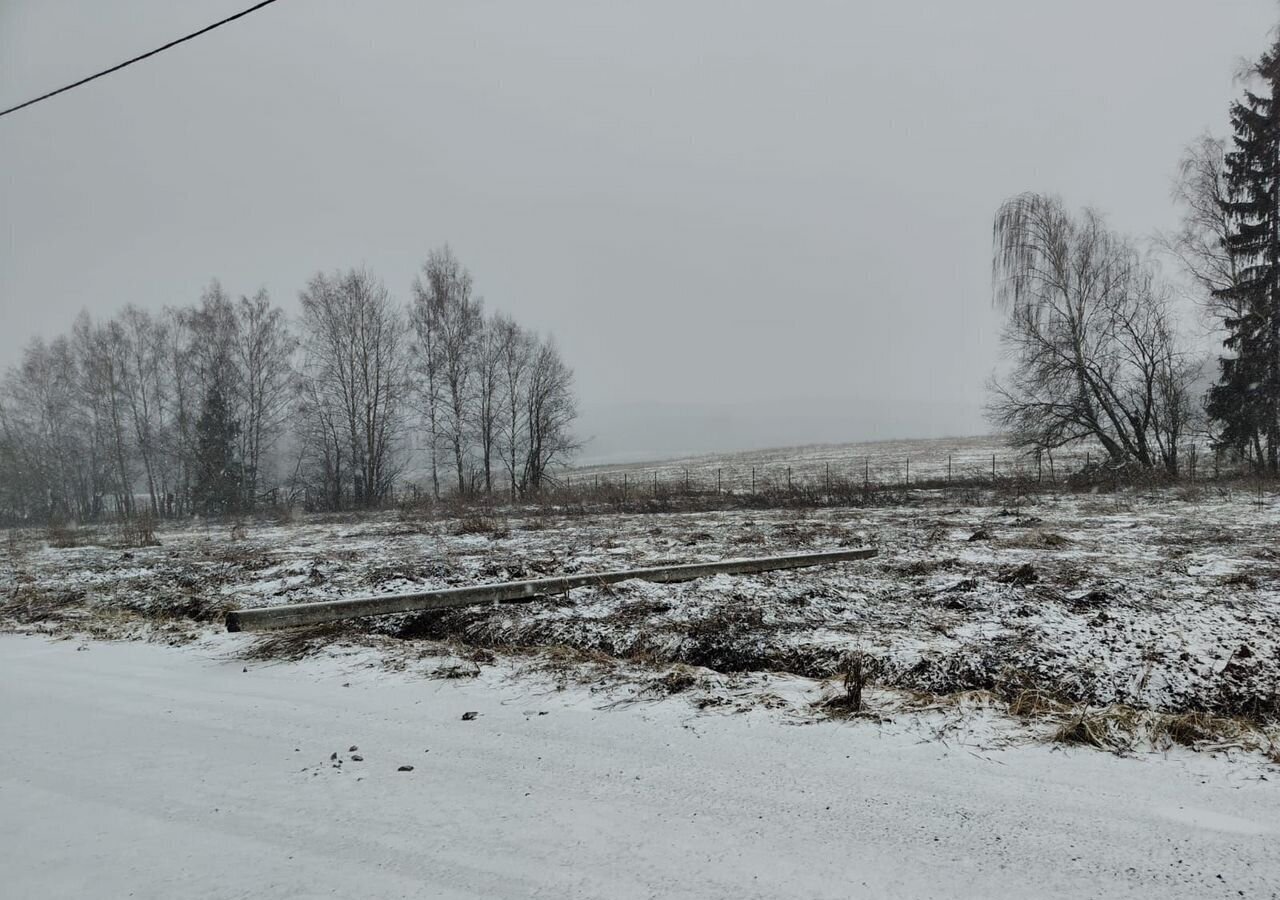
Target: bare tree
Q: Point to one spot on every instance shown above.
(448, 323)
(1200, 242)
(426, 369)
(355, 379)
(550, 409)
(214, 328)
(489, 395)
(1088, 327)
(516, 350)
(145, 341)
(102, 355)
(264, 350)
(183, 411)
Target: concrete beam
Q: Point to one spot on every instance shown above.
(297, 614)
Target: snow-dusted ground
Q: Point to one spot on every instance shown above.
(138, 770)
(1165, 600)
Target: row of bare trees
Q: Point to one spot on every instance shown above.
(227, 406)
(497, 402)
(112, 418)
(492, 403)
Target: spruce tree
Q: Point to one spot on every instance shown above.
(1246, 400)
(218, 472)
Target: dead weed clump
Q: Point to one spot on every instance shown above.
(138, 530)
(1038, 539)
(854, 674)
(729, 639)
(922, 567)
(176, 601)
(1113, 728)
(1239, 579)
(457, 670)
(297, 644)
(491, 526)
(569, 665)
(680, 679)
(1196, 730)
(28, 604)
(1122, 729)
(641, 610)
(1019, 576)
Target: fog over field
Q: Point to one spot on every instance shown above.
(746, 224)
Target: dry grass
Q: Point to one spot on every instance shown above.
(457, 670)
(1019, 575)
(28, 604)
(297, 644)
(1123, 729)
(482, 524)
(678, 680)
(63, 535)
(568, 665)
(922, 567)
(1037, 539)
(1114, 728)
(13, 545)
(1029, 702)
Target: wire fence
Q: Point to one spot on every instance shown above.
(881, 472)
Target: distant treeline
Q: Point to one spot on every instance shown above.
(226, 406)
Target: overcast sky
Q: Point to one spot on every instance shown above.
(747, 224)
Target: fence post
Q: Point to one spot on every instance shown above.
(948, 468)
(686, 481)
(993, 468)
(624, 487)
(717, 482)
(866, 475)
(826, 480)
(907, 482)
(655, 482)
(788, 478)
(753, 479)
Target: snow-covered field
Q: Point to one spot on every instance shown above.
(138, 770)
(1166, 601)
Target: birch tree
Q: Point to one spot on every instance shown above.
(356, 373)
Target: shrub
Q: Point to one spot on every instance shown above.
(138, 530)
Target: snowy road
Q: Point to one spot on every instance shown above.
(131, 770)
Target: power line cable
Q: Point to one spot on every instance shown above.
(130, 62)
